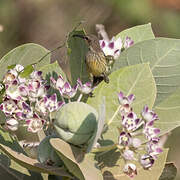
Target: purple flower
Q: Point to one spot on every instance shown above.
(112, 47)
(131, 122)
(125, 139)
(130, 169)
(59, 84)
(35, 124)
(67, 91)
(150, 131)
(84, 88)
(52, 104)
(12, 124)
(146, 161)
(128, 155)
(8, 106)
(125, 103)
(125, 100)
(128, 42)
(136, 142)
(149, 115)
(153, 147)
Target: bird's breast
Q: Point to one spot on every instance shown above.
(96, 63)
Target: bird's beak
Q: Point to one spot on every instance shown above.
(80, 36)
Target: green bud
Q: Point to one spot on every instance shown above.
(76, 123)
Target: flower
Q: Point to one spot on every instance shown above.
(153, 147)
(52, 104)
(67, 91)
(84, 88)
(128, 42)
(8, 106)
(131, 122)
(150, 131)
(148, 115)
(59, 84)
(112, 47)
(125, 103)
(12, 124)
(130, 169)
(146, 161)
(128, 155)
(136, 142)
(35, 124)
(125, 139)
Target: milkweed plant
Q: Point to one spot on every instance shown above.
(63, 126)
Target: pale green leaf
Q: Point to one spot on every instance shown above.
(137, 33)
(163, 54)
(137, 80)
(113, 167)
(25, 54)
(82, 166)
(169, 113)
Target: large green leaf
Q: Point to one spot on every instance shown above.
(137, 80)
(164, 57)
(77, 50)
(82, 166)
(25, 54)
(112, 168)
(137, 33)
(169, 113)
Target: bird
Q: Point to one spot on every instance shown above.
(98, 65)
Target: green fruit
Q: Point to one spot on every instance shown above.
(76, 123)
(46, 153)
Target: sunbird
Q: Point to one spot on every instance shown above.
(98, 65)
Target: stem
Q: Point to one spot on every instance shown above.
(59, 47)
(104, 149)
(80, 97)
(62, 98)
(69, 100)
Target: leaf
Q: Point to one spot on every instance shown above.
(163, 54)
(78, 164)
(169, 113)
(137, 80)
(27, 71)
(77, 50)
(25, 54)
(53, 70)
(137, 33)
(100, 126)
(169, 172)
(32, 164)
(12, 170)
(113, 167)
(11, 148)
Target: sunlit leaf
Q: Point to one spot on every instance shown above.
(163, 54)
(82, 166)
(137, 33)
(25, 55)
(137, 80)
(27, 71)
(112, 167)
(169, 113)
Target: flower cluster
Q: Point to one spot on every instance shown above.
(25, 100)
(115, 46)
(133, 126)
(67, 91)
